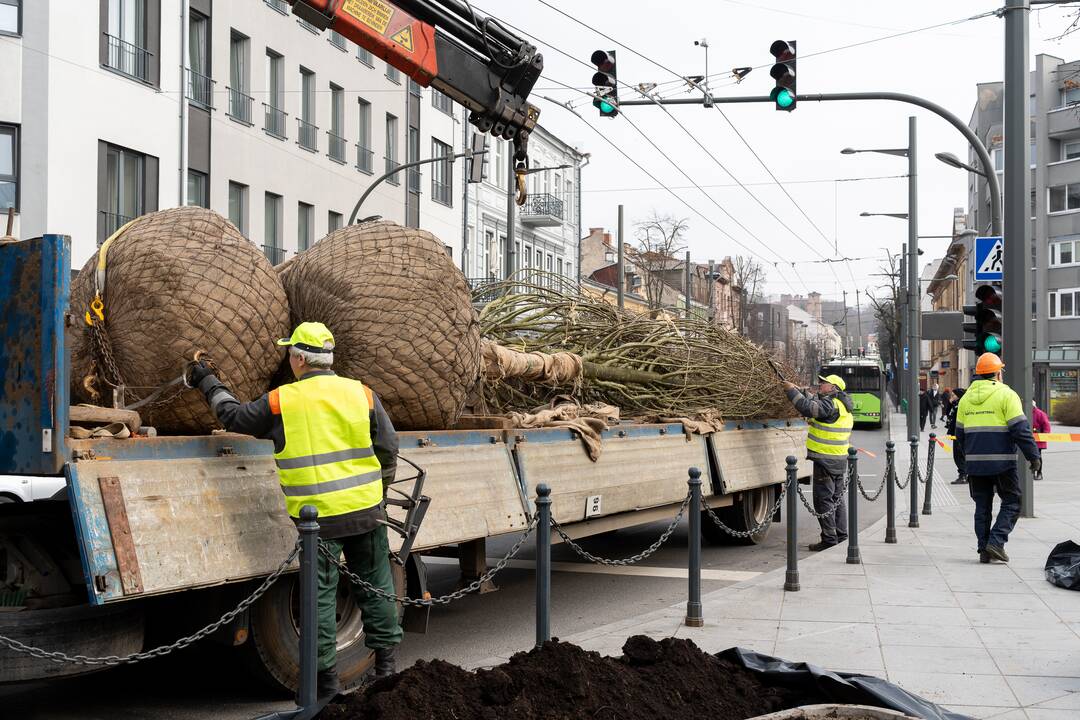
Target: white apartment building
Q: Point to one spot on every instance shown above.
(272, 124)
(547, 228)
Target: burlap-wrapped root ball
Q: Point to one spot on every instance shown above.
(401, 316)
(177, 282)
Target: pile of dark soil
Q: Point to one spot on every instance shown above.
(669, 678)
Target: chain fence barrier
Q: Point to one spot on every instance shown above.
(162, 650)
(826, 513)
(627, 560)
(743, 534)
(881, 486)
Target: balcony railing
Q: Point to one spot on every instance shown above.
(338, 40)
(337, 147)
(391, 164)
(365, 159)
(440, 192)
(113, 222)
(274, 254)
(308, 135)
(542, 209)
(280, 5)
(414, 180)
(240, 106)
(274, 123)
(127, 58)
(200, 89)
(482, 290)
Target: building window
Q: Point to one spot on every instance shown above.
(1064, 197)
(338, 40)
(197, 189)
(126, 50)
(125, 197)
(569, 203)
(272, 228)
(238, 206)
(200, 88)
(308, 132)
(239, 78)
(442, 173)
(365, 56)
(337, 122)
(413, 155)
(441, 101)
(334, 221)
(275, 90)
(1070, 96)
(305, 226)
(1063, 251)
(364, 154)
(11, 17)
(391, 148)
(526, 257)
(539, 260)
(500, 163)
(279, 5)
(9, 167)
(492, 253)
(1065, 303)
(559, 266)
(1070, 150)
(393, 74)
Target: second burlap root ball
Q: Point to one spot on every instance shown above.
(401, 316)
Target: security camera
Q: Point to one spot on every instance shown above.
(702, 42)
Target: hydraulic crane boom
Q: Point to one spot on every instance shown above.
(444, 44)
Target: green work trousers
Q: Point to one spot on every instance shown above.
(367, 555)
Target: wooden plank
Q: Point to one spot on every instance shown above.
(94, 415)
(112, 497)
(756, 457)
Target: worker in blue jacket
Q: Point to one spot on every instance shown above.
(990, 426)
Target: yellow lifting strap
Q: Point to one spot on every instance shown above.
(97, 305)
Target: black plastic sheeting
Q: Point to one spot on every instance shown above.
(1063, 566)
(841, 688)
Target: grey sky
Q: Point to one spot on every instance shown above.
(943, 65)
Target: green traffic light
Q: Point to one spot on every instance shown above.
(606, 107)
(992, 344)
(784, 98)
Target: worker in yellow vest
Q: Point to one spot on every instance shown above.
(828, 414)
(335, 449)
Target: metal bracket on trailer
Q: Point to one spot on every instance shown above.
(415, 505)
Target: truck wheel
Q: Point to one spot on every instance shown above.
(273, 649)
(79, 630)
(749, 510)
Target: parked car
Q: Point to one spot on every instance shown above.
(27, 488)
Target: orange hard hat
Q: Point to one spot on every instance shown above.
(988, 364)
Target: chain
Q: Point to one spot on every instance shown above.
(428, 602)
(929, 464)
(161, 650)
(753, 531)
(100, 342)
(862, 490)
(830, 511)
(633, 558)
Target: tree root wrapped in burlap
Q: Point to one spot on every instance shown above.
(401, 316)
(177, 282)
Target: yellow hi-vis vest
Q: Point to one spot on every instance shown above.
(328, 460)
(830, 440)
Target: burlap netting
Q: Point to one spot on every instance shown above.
(401, 316)
(179, 281)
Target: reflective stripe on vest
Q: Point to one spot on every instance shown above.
(328, 460)
(830, 440)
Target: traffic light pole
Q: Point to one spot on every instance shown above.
(913, 287)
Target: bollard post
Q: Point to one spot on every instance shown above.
(926, 506)
(913, 512)
(693, 604)
(543, 564)
(853, 557)
(890, 492)
(791, 580)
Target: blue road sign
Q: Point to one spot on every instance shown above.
(905, 358)
(989, 258)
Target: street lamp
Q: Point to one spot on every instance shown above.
(898, 216)
(991, 180)
(901, 152)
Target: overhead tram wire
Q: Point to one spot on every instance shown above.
(810, 181)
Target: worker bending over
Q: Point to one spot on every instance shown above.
(336, 450)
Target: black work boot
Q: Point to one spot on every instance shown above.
(327, 686)
(823, 545)
(997, 553)
(385, 662)
(984, 557)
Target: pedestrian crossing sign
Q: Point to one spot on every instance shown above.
(989, 258)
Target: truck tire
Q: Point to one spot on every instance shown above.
(272, 650)
(750, 509)
(80, 630)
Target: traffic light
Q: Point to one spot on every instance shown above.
(606, 82)
(783, 72)
(986, 327)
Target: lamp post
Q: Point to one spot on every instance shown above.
(912, 217)
(991, 180)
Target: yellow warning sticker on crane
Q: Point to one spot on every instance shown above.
(373, 13)
(404, 38)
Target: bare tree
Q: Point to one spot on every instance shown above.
(750, 279)
(659, 240)
(886, 301)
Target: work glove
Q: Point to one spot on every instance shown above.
(1036, 466)
(199, 372)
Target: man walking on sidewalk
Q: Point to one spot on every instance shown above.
(1042, 425)
(830, 420)
(990, 426)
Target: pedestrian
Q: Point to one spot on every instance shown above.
(950, 431)
(990, 426)
(933, 401)
(946, 404)
(829, 416)
(336, 450)
(924, 409)
(1042, 425)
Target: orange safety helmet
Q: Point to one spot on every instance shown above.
(988, 364)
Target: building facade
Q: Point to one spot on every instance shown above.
(1055, 214)
(241, 108)
(948, 361)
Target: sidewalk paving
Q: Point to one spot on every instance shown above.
(990, 641)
